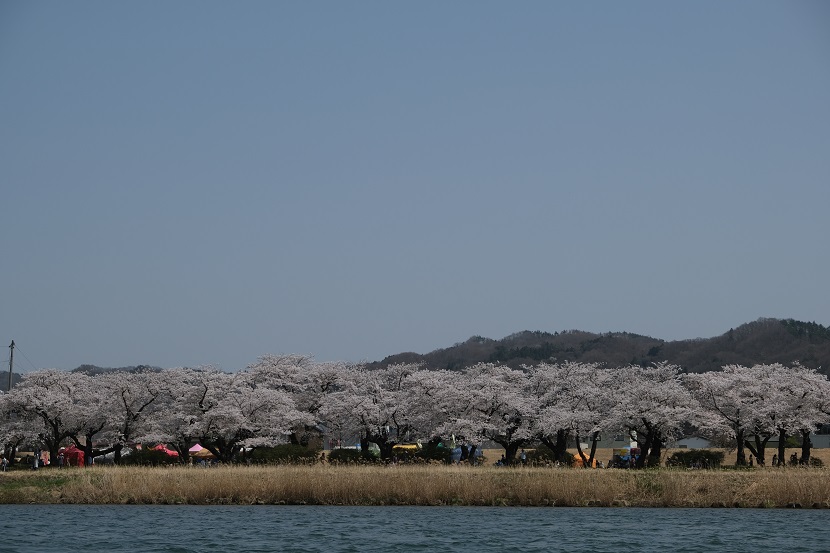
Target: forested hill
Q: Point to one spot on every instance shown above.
(93, 370)
(763, 341)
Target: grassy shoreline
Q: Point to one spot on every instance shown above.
(420, 485)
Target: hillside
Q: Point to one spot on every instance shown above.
(93, 370)
(763, 341)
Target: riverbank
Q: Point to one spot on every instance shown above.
(420, 485)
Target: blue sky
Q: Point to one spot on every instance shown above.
(189, 183)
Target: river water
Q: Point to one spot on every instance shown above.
(200, 529)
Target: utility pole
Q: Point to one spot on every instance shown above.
(11, 365)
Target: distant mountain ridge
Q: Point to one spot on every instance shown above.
(766, 340)
(93, 370)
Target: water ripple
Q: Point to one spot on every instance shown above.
(201, 529)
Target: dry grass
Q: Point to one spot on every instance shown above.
(424, 485)
(420, 485)
(492, 455)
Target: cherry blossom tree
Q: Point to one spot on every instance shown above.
(732, 402)
(16, 427)
(247, 416)
(573, 400)
(306, 381)
(47, 395)
(372, 405)
(430, 399)
(652, 406)
(133, 398)
(188, 392)
(292, 398)
(805, 397)
(68, 405)
(90, 413)
(225, 412)
(770, 408)
(495, 404)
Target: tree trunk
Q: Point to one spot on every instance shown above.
(645, 447)
(52, 441)
(381, 440)
(806, 445)
(364, 446)
(740, 458)
(224, 450)
(10, 450)
(647, 440)
(560, 446)
(90, 453)
(581, 453)
(510, 450)
(386, 449)
(183, 449)
(594, 440)
(86, 447)
(782, 442)
(471, 455)
(758, 448)
(655, 451)
(588, 462)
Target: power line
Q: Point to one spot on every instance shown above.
(17, 348)
(17, 351)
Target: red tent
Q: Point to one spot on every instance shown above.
(162, 447)
(73, 457)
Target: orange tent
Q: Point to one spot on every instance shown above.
(579, 463)
(203, 453)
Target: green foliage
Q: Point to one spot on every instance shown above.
(36, 488)
(813, 332)
(699, 458)
(149, 457)
(285, 454)
(434, 450)
(346, 456)
(543, 455)
(542, 352)
(762, 341)
(792, 441)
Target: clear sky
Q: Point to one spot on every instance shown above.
(189, 183)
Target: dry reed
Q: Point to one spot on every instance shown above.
(420, 485)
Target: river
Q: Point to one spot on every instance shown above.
(200, 529)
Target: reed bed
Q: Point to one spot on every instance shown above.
(420, 485)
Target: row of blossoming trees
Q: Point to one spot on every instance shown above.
(292, 397)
